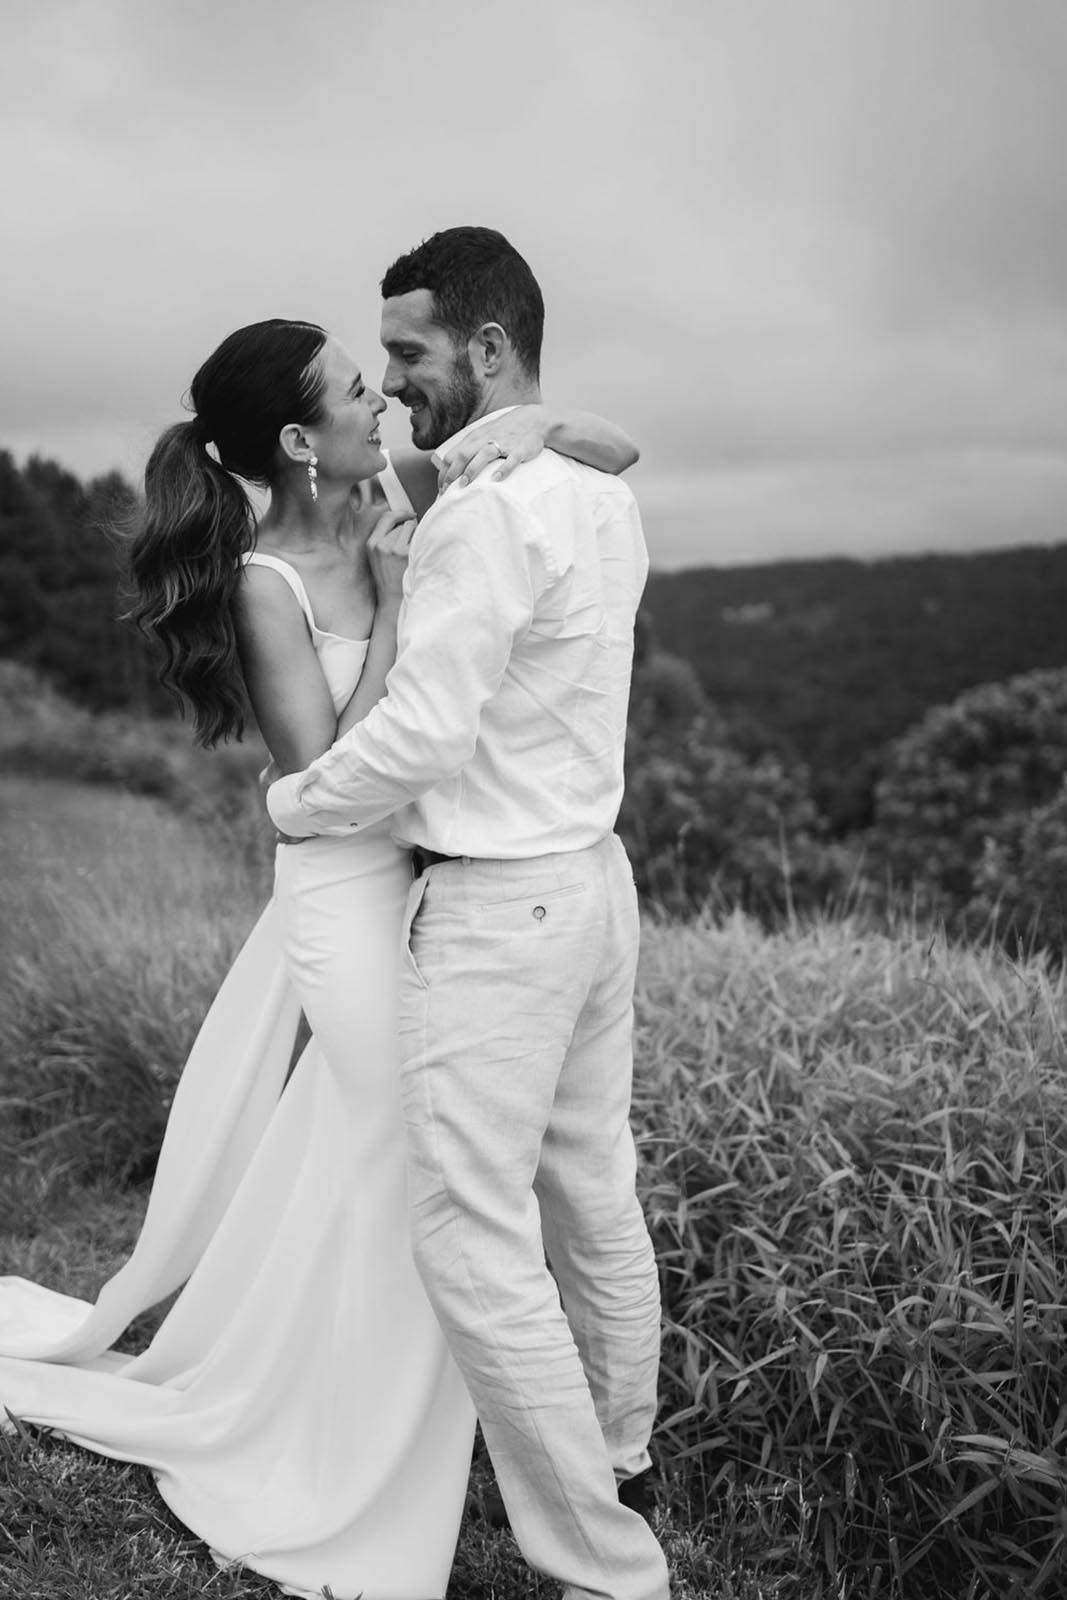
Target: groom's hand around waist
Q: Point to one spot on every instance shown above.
(284, 810)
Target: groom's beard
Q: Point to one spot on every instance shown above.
(451, 410)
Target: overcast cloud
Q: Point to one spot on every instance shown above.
(813, 253)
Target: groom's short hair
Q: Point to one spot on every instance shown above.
(475, 276)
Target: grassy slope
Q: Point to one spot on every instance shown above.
(74, 1526)
(853, 1152)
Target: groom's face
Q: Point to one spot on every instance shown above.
(426, 371)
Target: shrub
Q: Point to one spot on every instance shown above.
(969, 773)
(1020, 881)
(711, 812)
(44, 735)
(710, 825)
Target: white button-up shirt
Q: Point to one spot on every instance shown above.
(502, 729)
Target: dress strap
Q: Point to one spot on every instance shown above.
(259, 558)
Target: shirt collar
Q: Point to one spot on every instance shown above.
(442, 449)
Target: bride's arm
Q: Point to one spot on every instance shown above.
(376, 668)
(418, 479)
(586, 437)
(387, 549)
(525, 431)
(289, 695)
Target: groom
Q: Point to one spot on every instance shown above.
(498, 750)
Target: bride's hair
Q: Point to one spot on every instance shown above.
(185, 557)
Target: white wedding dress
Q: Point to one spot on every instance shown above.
(297, 1405)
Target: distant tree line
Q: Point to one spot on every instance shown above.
(833, 659)
(968, 821)
(59, 599)
(819, 732)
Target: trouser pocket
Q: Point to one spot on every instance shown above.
(411, 911)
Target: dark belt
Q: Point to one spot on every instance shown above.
(421, 859)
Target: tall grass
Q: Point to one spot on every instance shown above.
(121, 919)
(855, 1166)
(853, 1157)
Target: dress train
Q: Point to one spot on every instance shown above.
(298, 1404)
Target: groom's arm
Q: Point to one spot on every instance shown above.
(474, 576)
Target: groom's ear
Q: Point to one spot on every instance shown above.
(488, 349)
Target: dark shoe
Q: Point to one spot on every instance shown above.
(636, 1493)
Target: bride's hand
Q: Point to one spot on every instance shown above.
(502, 445)
(387, 550)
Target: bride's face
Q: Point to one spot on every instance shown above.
(346, 441)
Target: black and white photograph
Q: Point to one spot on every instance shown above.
(533, 800)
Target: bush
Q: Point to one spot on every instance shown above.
(711, 825)
(711, 812)
(1020, 882)
(854, 1157)
(44, 735)
(969, 773)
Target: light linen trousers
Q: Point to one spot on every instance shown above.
(516, 1014)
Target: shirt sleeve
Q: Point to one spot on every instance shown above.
(475, 573)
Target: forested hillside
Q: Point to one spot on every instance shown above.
(819, 662)
(58, 584)
(834, 658)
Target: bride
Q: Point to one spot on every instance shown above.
(298, 1405)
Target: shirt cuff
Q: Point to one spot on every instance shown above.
(286, 812)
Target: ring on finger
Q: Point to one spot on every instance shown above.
(491, 444)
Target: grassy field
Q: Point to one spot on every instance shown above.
(853, 1155)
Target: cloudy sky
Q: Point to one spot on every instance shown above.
(812, 253)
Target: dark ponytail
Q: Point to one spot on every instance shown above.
(184, 564)
(185, 559)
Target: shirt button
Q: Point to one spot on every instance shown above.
(540, 913)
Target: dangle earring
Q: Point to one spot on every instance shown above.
(313, 477)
